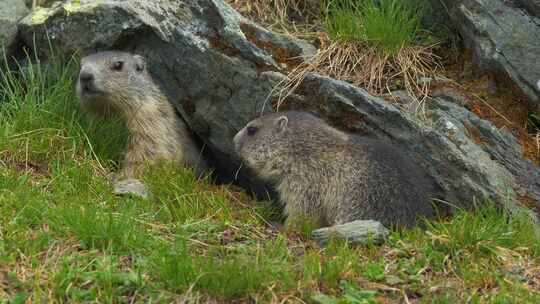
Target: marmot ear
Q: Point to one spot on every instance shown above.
(140, 63)
(281, 123)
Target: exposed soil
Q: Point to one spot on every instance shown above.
(495, 99)
(287, 58)
(6, 159)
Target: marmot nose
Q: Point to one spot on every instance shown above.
(86, 77)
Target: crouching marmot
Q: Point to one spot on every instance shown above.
(118, 83)
(332, 177)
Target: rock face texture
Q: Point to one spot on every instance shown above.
(11, 11)
(504, 36)
(532, 6)
(131, 187)
(219, 70)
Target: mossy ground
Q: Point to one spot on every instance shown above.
(64, 237)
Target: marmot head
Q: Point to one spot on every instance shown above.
(261, 142)
(113, 82)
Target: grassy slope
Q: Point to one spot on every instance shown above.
(65, 238)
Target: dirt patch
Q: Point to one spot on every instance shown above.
(475, 135)
(286, 58)
(493, 98)
(529, 202)
(218, 43)
(7, 160)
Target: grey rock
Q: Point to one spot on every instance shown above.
(532, 6)
(11, 11)
(504, 38)
(355, 233)
(130, 187)
(498, 144)
(219, 70)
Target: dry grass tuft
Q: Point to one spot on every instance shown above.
(367, 67)
(291, 17)
(537, 140)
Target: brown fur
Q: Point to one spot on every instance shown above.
(118, 84)
(332, 177)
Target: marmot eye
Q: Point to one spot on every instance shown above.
(252, 130)
(118, 65)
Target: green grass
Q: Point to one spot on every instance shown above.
(39, 111)
(342, 20)
(64, 237)
(387, 25)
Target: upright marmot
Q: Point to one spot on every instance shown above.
(332, 177)
(118, 83)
